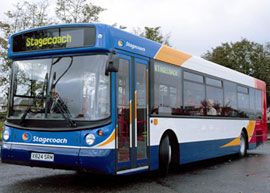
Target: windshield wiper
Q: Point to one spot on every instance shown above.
(60, 105)
(70, 64)
(40, 95)
(57, 102)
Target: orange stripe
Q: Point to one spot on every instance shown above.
(234, 142)
(130, 112)
(250, 130)
(173, 56)
(109, 140)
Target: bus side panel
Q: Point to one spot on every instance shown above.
(97, 160)
(154, 157)
(196, 151)
(199, 139)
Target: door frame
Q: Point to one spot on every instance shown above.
(133, 164)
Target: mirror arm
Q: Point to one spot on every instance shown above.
(112, 63)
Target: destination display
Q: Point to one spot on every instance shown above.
(54, 38)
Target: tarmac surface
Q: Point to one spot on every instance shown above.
(223, 175)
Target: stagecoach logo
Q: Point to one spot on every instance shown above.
(45, 140)
(132, 46)
(26, 137)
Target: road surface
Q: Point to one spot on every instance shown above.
(226, 175)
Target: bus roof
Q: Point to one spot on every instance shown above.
(109, 38)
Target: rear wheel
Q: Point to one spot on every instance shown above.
(165, 155)
(243, 145)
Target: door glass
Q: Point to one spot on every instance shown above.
(141, 95)
(123, 110)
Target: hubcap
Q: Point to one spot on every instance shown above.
(170, 154)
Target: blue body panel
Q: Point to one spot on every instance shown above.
(64, 138)
(69, 148)
(94, 160)
(196, 151)
(20, 154)
(154, 157)
(98, 161)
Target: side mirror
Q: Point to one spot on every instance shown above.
(112, 64)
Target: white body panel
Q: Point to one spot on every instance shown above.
(213, 69)
(196, 129)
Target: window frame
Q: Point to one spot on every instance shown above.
(57, 124)
(178, 87)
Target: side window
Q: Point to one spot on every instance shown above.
(230, 100)
(194, 94)
(123, 85)
(258, 104)
(167, 89)
(243, 101)
(123, 110)
(214, 97)
(193, 77)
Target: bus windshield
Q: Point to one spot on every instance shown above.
(50, 88)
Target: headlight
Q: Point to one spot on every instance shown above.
(90, 139)
(6, 135)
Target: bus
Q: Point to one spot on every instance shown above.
(94, 98)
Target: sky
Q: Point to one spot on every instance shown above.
(194, 26)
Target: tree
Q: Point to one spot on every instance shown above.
(24, 15)
(245, 56)
(77, 11)
(153, 33)
(267, 71)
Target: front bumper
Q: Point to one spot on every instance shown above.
(74, 158)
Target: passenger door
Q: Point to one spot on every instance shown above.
(132, 110)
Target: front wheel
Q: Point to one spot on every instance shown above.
(243, 145)
(165, 155)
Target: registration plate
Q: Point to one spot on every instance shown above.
(48, 157)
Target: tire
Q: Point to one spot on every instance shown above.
(165, 155)
(243, 145)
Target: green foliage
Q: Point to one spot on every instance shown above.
(77, 11)
(155, 34)
(25, 15)
(2, 120)
(244, 56)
